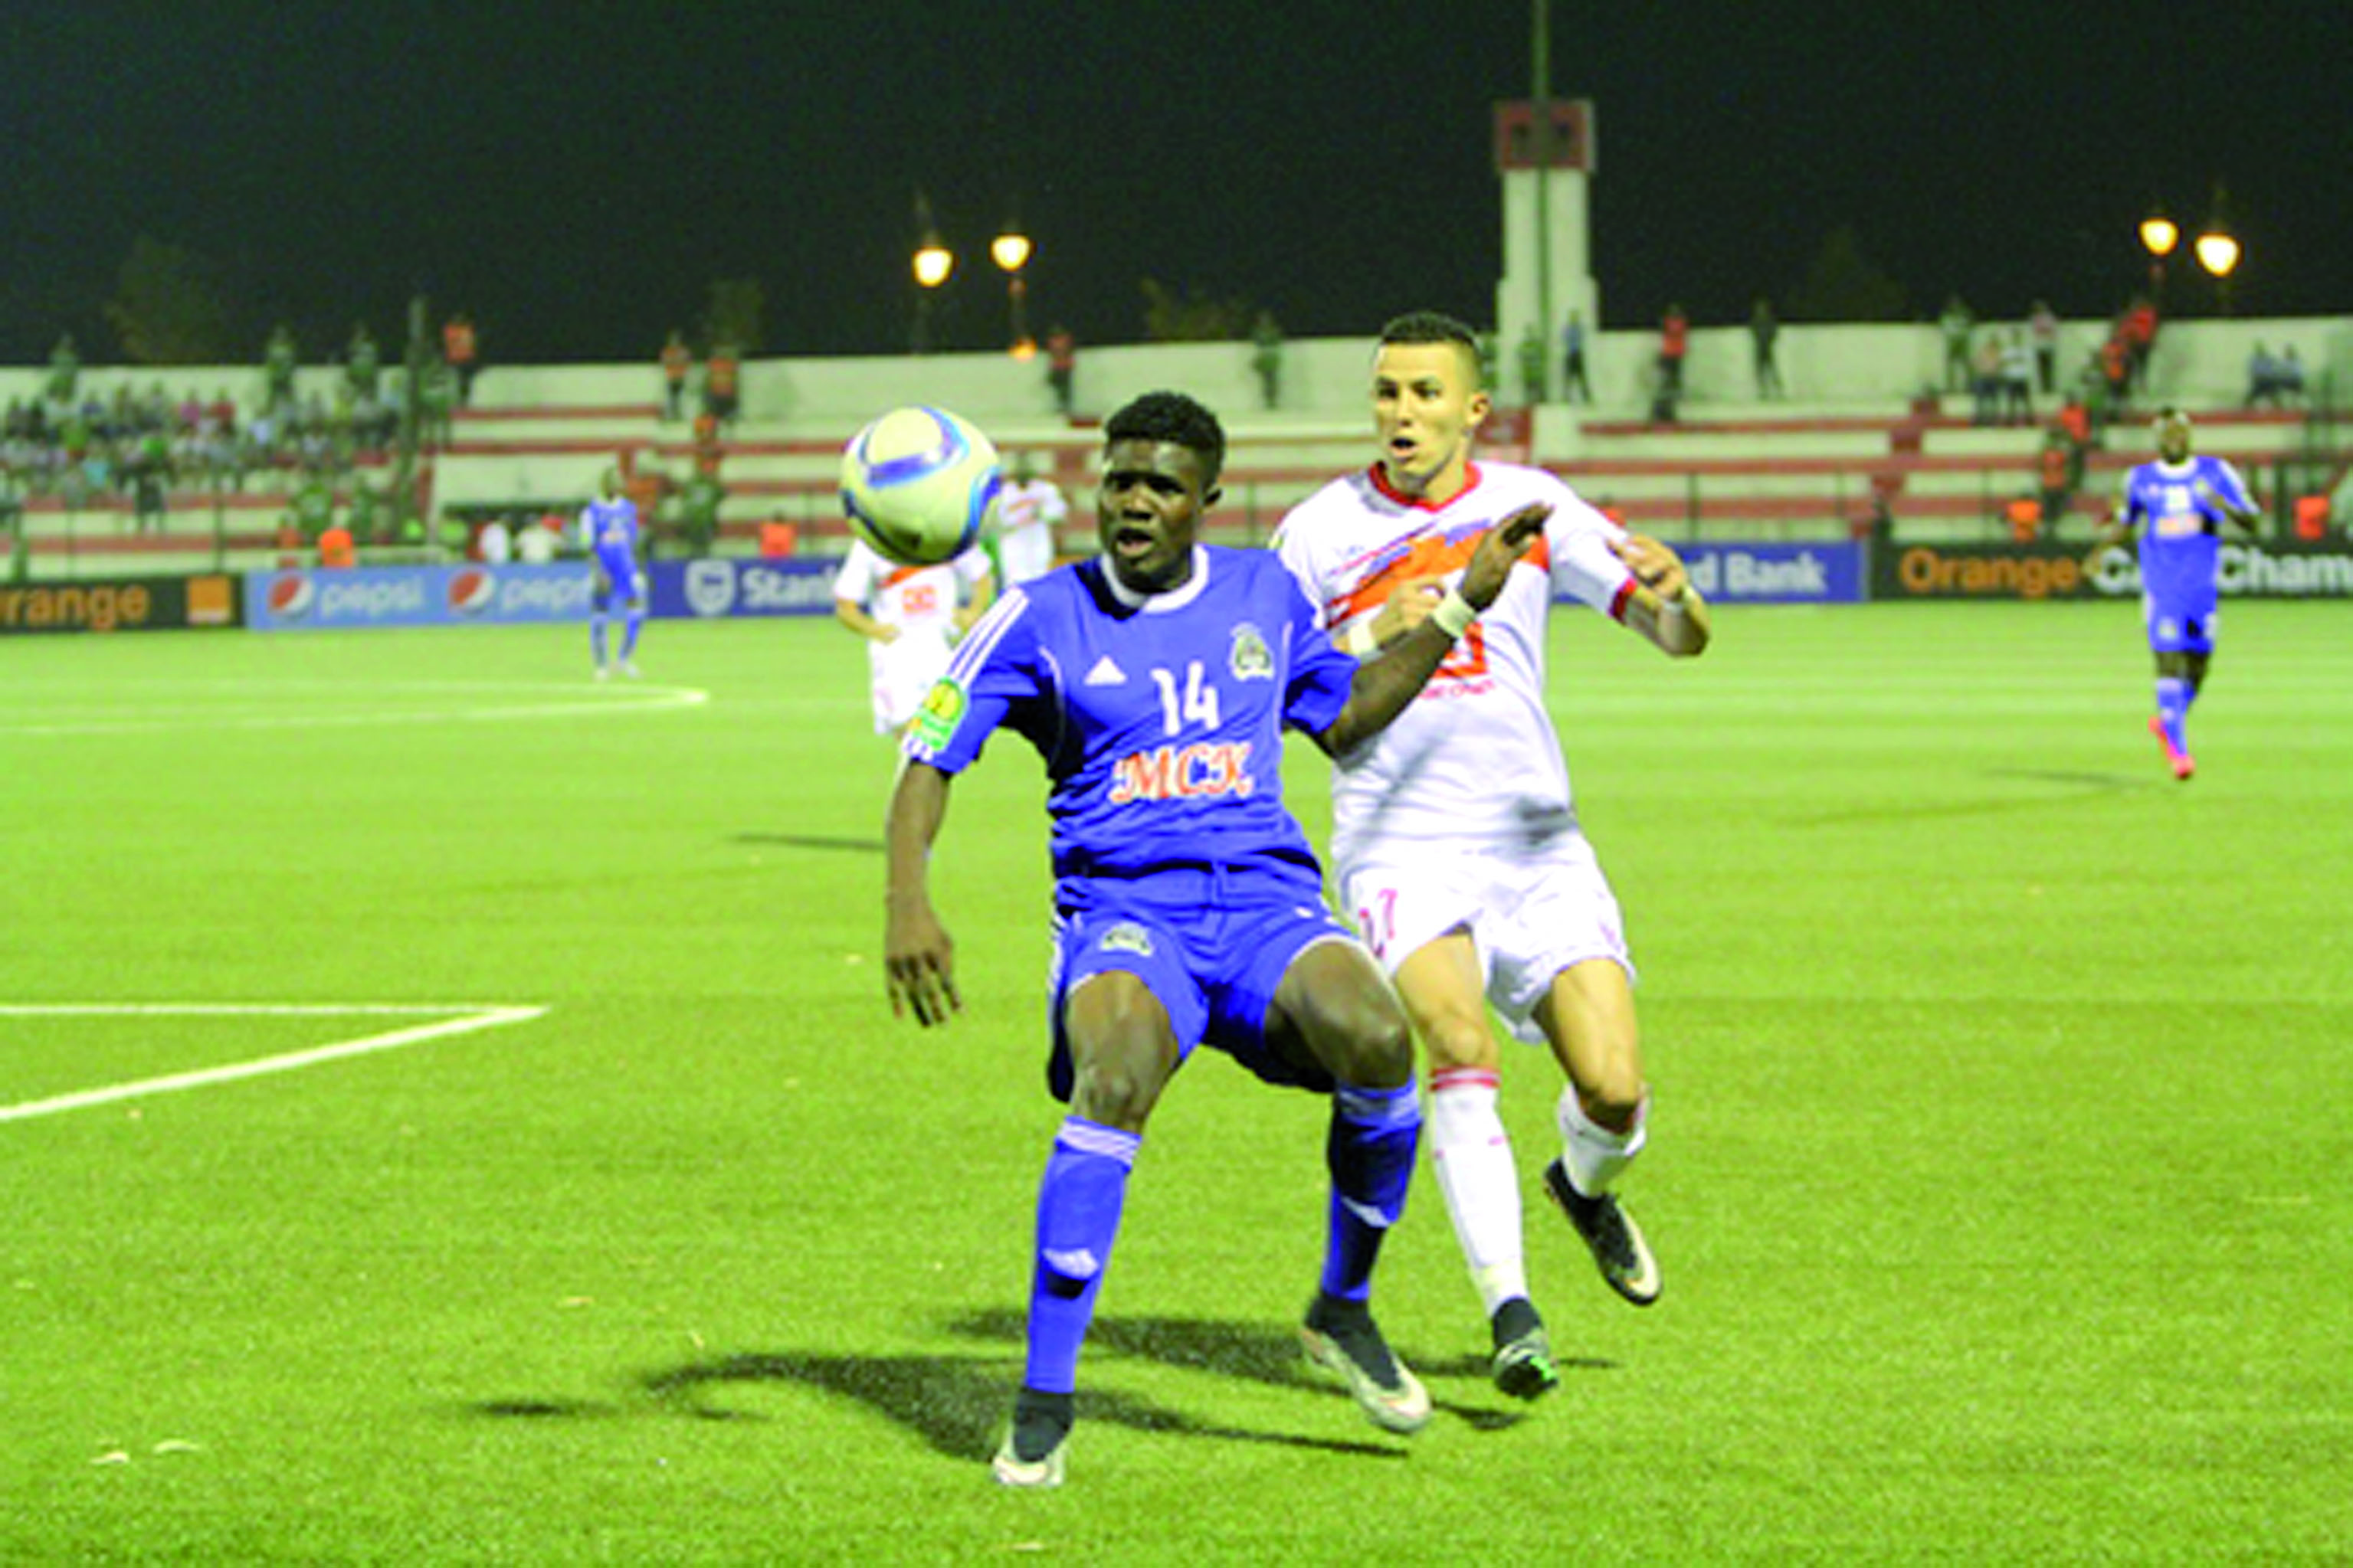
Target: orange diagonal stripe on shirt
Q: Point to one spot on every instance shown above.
(1430, 555)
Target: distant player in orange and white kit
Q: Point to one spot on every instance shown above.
(1455, 838)
(911, 618)
(1028, 508)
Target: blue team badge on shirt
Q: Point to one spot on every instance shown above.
(1249, 658)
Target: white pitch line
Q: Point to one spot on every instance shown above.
(486, 1018)
(643, 699)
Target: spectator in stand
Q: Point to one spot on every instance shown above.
(1674, 342)
(494, 545)
(436, 407)
(1956, 324)
(65, 370)
(677, 359)
(536, 543)
(1061, 365)
(1574, 387)
(279, 359)
(362, 365)
(1985, 382)
(2291, 375)
(2139, 329)
(1266, 357)
(2018, 380)
(2115, 372)
(149, 472)
(337, 549)
(2055, 467)
(460, 351)
(2042, 325)
(2263, 377)
(698, 510)
(719, 388)
(1764, 331)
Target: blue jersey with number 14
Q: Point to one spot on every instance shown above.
(2175, 511)
(1160, 718)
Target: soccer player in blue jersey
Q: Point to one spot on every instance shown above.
(608, 525)
(1155, 680)
(2174, 510)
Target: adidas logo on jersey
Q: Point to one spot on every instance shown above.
(1106, 673)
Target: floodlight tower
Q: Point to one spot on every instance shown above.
(1544, 155)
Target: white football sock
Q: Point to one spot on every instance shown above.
(1594, 1155)
(1472, 1157)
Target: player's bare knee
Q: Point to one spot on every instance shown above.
(1614, 1099)
(1375, 1049)
(1114, 1091)
(1459, 1042)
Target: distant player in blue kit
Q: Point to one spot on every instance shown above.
(2174, 510)
(608, 526)
(1155, 680)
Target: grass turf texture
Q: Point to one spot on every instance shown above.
(1998, 1174)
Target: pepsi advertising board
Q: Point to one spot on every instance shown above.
(705, 589)
(312, 599)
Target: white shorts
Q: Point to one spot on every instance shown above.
(901, 675)
(1531, 913)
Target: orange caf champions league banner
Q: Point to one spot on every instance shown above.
(121, 605)
(2264, 571)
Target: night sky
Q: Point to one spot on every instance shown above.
(575, 176)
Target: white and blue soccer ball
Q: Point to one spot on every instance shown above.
(920, 485)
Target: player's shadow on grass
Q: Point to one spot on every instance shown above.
(958, 1407)
(808, 841)
(2072, 785)
(1256, 1352)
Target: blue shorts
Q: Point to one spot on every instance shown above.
(610, 571)
(1213, 963)
(2179, 627)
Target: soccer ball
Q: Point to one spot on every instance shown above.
(920, 484)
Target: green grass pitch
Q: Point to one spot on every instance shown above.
(2001, 1171)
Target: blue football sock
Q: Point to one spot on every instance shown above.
(1079, 1206)
(1371, 1151)
(597, 638)
(630, 626)
(2173, 699)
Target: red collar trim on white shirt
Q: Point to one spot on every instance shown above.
(1380, 478)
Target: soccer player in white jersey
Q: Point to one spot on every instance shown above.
(1027, 511)
(911, 618)
(1454, 837)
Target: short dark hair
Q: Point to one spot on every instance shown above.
(1173, 418)
(1435, 327)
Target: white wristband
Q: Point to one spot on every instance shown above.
(1454, 615)
(1360, 642)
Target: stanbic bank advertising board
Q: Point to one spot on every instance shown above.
(2270, 571)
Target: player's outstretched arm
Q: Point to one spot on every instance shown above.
(1387, 681)
(1665, 607)
(918, 958)
(854, 617)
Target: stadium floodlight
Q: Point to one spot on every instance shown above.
(2218, 252)
(1010, 251)
(2159, 234)
(933, 262)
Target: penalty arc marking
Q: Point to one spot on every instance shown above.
(451, 1018)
